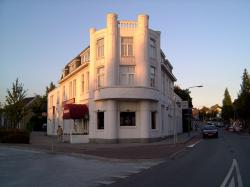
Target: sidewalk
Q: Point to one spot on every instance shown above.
(156, 150)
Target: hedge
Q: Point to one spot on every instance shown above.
(14, 136)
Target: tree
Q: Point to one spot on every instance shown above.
(242, 103)
(184, 95)
(203, 113)
(39, 108)
(14, 107)
(50, 88)
(227, 107)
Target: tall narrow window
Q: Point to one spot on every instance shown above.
(70, 90)
(153, 120)
(100, 77)
(152, 51)
(127, 119)
(163, 83)
(87, 57)
(126, 46)
(63, 94)
(51, 100)
(87, 81)
(82, 85)
(74, 88)
(100, 48)
(100, 120)
(152, 76)
(127, 74)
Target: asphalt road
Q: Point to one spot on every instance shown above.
(222, 162)
(27, 168)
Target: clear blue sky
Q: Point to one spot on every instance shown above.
(207, 42)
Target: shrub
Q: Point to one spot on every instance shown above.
(14, 136)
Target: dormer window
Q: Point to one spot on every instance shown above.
(87, 57)
(77, 63)
(66, 71)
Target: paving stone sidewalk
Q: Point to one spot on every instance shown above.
(156, 150)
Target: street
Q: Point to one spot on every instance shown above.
(212, 162)
(27, 168)
(218, 162)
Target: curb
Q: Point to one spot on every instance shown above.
(81, 155)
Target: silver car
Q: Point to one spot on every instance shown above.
(209, 131)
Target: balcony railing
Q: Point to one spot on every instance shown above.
(127, 24)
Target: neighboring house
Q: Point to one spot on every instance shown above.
(28, 114)
(196, 113)
(119, 88)
(28, 101)
(216, 109)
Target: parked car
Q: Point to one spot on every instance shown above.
(220, 124)
(209, 131)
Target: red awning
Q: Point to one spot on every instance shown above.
(75, 111)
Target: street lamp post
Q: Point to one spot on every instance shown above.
(175, 130)
(189, 117)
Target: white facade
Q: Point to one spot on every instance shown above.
(126, 82)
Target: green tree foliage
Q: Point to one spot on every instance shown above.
(242, 103)
(50, 88)
(227, 107)
(39, 109)
(14, 107)
(203, 113)
(184, 95)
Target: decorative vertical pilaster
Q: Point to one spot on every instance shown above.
(141, 51)
(111, 50)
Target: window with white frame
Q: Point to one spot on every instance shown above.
(87, 81)
(51, 100)
(163, 82)
(87, 57)
(100, 48)
(100, 120)
(153, 120)
(152, 51)
(100, 77)
(74, 88)
(63, 93)
(127, 74)
(70, 89)
(82, 83)
(152, 76)
(127, 119)
(127, 46)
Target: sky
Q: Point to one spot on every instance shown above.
(207, 42)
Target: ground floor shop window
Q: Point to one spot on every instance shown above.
(100, 120)
(153, 120)
(127, 118)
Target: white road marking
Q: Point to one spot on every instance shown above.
(134, 171)
(143, 167)
(24, 150)
(192, 145)
(232, 183)
(120, 176)
(231, 177)
(105, 182)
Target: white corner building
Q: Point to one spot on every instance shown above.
(118, 89)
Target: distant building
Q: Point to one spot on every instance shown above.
(216, 109)
(28, 101)
(119, 88)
